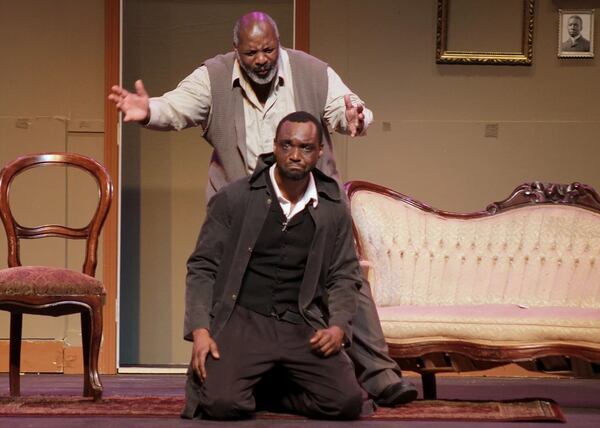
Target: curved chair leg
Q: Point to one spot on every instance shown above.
(86, 325)
(95, 340)
(16, 327)
(91, 335)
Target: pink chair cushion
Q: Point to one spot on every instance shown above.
(47, 281)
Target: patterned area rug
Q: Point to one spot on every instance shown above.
(153, 406)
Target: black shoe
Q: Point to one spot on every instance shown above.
(397, 393)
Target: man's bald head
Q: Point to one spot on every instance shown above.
(249, 21)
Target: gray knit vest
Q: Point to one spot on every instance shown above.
(226, 128)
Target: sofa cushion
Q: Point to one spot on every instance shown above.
(490, 322)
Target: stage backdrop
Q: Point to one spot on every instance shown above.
(427, 141)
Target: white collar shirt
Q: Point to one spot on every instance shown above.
(290, 209)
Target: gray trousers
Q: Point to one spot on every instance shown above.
(375, 370)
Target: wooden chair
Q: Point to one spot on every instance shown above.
(54, 291)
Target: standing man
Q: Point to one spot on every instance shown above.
(576, 42)
(272, 246)
(238, 99)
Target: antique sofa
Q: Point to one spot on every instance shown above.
(516, 282)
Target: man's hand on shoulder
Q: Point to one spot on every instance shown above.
(327, 341)
(203, 345)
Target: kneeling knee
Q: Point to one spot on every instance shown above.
(224, 408)
(349, 405)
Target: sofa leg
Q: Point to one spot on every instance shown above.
(429, 387)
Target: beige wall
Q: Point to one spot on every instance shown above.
(52, 100)
(548, 114)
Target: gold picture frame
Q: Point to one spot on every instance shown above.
(583, 45)
(510, 40)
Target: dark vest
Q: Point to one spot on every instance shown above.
(275, 271)
(226, 127)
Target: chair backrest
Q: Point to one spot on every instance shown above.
(15, 231)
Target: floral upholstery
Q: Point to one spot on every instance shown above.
(47, 281)
(527, 274)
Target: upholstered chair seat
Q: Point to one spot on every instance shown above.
(47, 281)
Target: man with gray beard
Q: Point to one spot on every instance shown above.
(239, 98)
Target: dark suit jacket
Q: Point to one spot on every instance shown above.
(580, 45)
(234, 220)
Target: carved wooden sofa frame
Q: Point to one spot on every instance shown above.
(530, 284)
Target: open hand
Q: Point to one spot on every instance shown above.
(354, 117)
(135, 106)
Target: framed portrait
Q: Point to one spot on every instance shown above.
(576, 33)
(485, 32)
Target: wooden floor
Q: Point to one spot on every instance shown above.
(578, 398)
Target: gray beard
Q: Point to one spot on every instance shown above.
(255, 77)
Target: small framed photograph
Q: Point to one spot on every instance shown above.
(576, 33)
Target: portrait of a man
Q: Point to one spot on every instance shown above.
(576, 33)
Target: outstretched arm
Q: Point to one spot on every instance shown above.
(185, 106)
(135, 106)
(344, 111)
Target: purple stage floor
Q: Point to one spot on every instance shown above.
(579, 400)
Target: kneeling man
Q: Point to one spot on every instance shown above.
(272, 284)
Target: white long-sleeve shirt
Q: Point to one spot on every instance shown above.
(189, 105)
